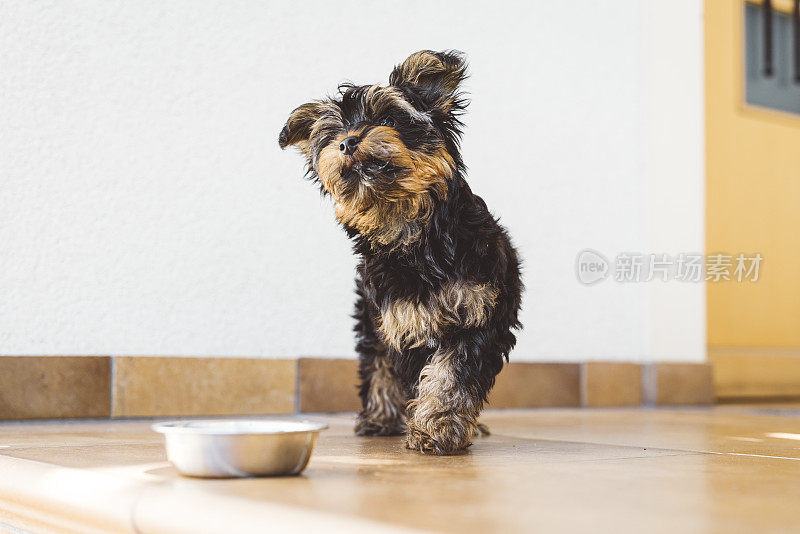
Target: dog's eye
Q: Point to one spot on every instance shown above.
(388, 121)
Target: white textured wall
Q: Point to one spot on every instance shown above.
(674, 168)
(145, 207)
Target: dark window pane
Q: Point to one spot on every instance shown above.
(779, 91)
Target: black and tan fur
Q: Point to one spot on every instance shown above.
(438, 284)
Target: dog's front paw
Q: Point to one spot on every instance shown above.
(367, 425)
(449, 440)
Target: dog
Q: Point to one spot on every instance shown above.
(438, 283)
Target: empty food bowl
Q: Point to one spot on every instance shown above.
(240, 448)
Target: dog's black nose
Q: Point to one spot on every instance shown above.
(348, 146)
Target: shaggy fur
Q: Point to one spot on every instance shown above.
(438, 286)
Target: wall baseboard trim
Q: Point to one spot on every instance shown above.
(60, 387)
(754, 372)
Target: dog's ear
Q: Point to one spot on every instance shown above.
(297, 129)
(434, 76)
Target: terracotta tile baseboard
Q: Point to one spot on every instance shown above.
(56, 387)
(606, 384)
(327, 385)
(534, 384)
(156, 386)
(671, 384)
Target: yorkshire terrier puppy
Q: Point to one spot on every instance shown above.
(438, 285)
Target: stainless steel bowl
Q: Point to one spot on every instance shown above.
(241, 448)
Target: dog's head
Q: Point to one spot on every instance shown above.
(385, 154)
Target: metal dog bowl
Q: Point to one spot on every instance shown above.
(241, 448)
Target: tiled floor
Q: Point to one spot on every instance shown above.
(724, 469)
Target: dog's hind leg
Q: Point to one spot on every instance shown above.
(481, 431)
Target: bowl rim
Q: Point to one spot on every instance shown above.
(218, 427)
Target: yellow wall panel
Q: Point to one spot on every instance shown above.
(752, 196)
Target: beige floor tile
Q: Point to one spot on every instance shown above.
(728, 469)
(723, 430)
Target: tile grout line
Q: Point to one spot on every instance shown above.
(675, 452)
(751, 455)
(113, 386)
(582, 385)
(297, 409)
